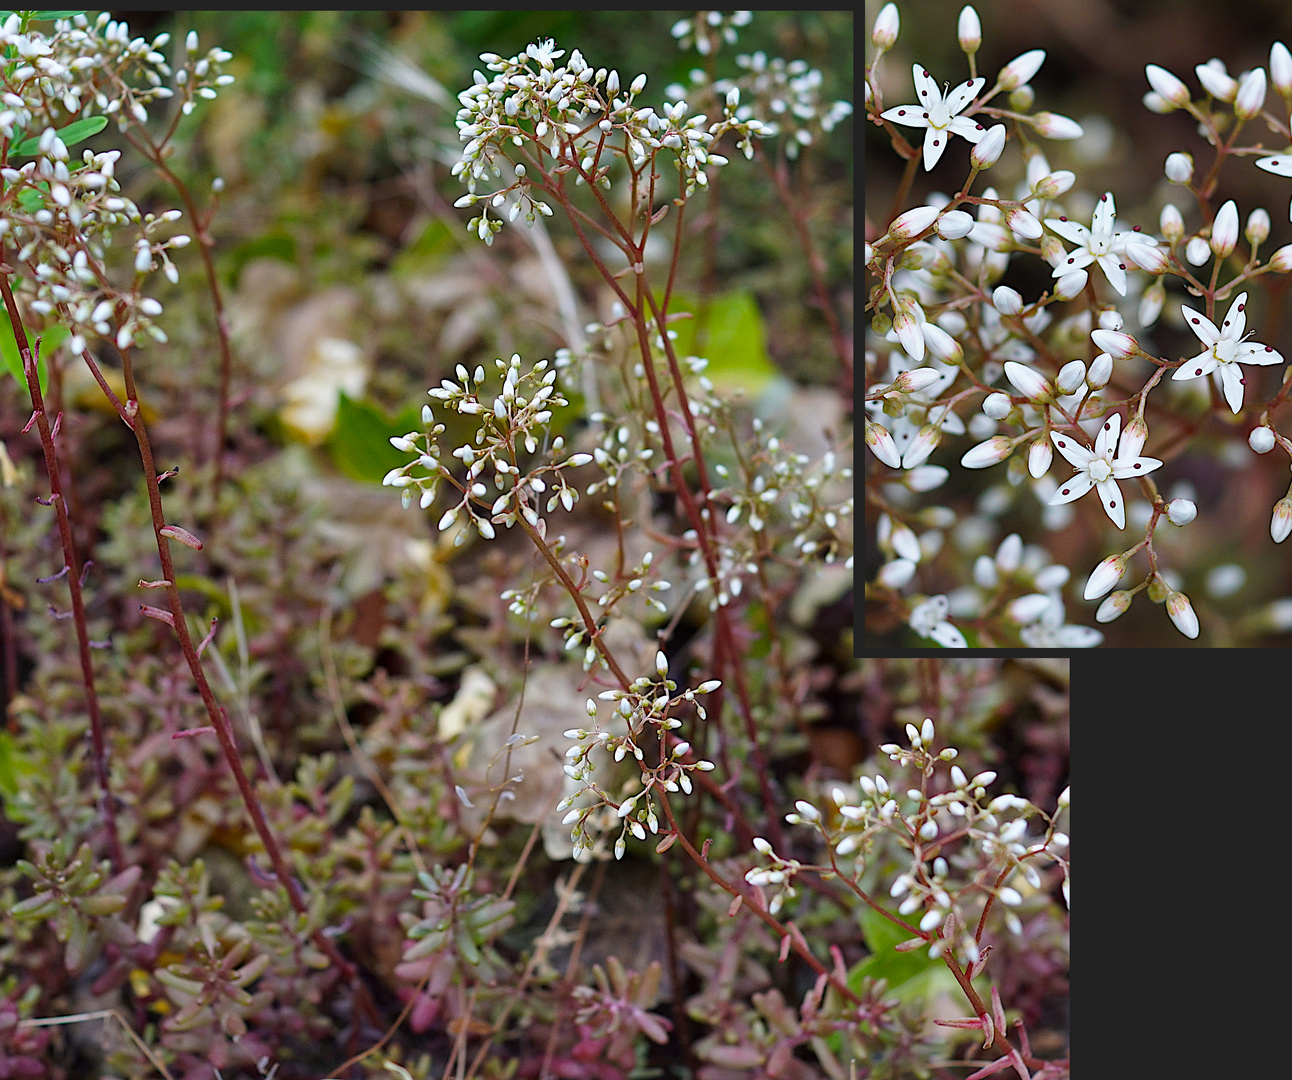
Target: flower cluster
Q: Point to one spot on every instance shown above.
(60, 213)
(953, 351)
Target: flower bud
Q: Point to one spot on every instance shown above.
(1224, 230)
(955, 224)
(1133, 439)
(1168, 87)
(1111, 319)
(1029, 608)
(1251, 94)
(1281, 68)
(1179, 168)
(1039, 458)
(1071, 376)
(913, 222)
(1258, 227)
(1197, 251)
(1028, 382)
(1115, 605)
(1281, 261)
(1152, 259)
(1070, 285)
(1106, 575)
(997, 405)
(1020, 69)
(1261, 440)
(1119, 346)
(1022, 98)
(884, 33)
(1054, 184)
(1171, 223)
(1053, 126)
(969, 30)
(941, 344)
(1006, 300)
(1023, 223)
(1181, 511)
(988, 149)
(993, 451)
(909, 382)
(1182, 614)
(1101, 370)
(1281, 522)
(1150, 304)
(1216, 80)
(881, 445)
(924, 443)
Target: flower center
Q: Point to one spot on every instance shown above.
(1100, 470)
(1225, 350)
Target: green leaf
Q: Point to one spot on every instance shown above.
(728, 330)
(360, 442)
(75, 132)
(12, 766)
(12, 358)
(913, 977)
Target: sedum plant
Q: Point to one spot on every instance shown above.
(1136, 350)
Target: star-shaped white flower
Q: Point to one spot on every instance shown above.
(1100, 243)
(939, 114)
(1101, 469)
(1225, 350)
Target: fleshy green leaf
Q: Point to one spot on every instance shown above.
(75, 132)
(728, 331)
(12, 359)
(360, 442)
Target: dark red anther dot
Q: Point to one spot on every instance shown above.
(1121, 266)
(1112, 502)
(1066, 490)
(1138, 466)
(979, 127)
(901, 112)
(1269, 348)
(1242, 382)
(1072, 260)
(1194, 321)
(937, 142)
(1061, 443)
(1137, 228)
(1197, 371)
(1061, 218)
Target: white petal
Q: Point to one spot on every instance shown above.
(1250, 352)
(1128, 468)
(1106, 440)
(1112, 268)
(911, 115)
(1281, 166)
(1231, 381)
(935, 141)
(963, 94)
(1073, 489)
(1199, 365)
(1070, 231)
(1105, 214)
(1111, 496)
(1236, 320)
(1077, 455)
(1201, 325)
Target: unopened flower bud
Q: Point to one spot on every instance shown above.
(881, 445)
(997, 405)
(1106, 575)
(1022, 98)
(1251, 94)
(1281, 68)
(1216, 80)
(1006, 300)
(1261, 440)
(1281, 522)
(1152, 259)
(1171, 223)
(1111, 319)
(1179, 168)
(1182, 614)
(1197, 251)
(941, 344)
(1023, 223)
(1181, 511)
(1039, 457)
(1150, 304)
(1113, 606)
(1054, 184)
(1133, 438)
(1100, 371)
(988, 149)
(1119, 346)
(909, 382)
(1020, 69)
(924, 443)
(1224, 230)
(969, 30)
(955, 224)
(1028, 382)
(884, 33)
(1167, 86)
(1281, 261)
(913, 222)
(1071, 376)
(1258, 227)
(994, 450)
(1053, 126)
(1070, 285)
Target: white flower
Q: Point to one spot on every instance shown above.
(1100, 243)
(1225, 350)
(929, 620)
(939, 115)
(1100, 469)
